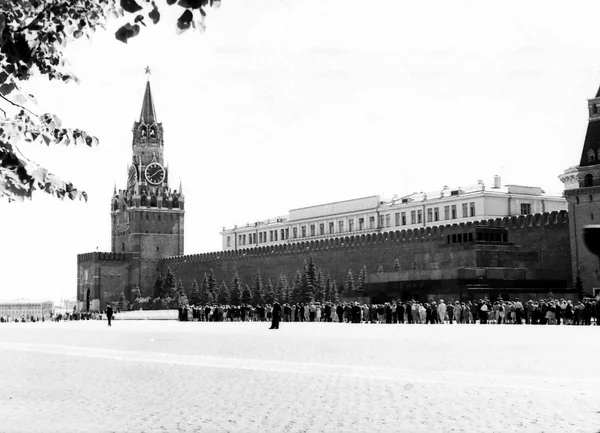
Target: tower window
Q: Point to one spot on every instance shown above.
(588, 180)
(156, 248)
(591, 156)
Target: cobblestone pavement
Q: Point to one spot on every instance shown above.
(305, 377)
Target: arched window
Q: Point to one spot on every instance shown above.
(588, 180)
(116, 205)
(165, 201)
(175, 201)
(143, 132)
(153, 132)
(144, 201)
(153, 201)
(591, 156)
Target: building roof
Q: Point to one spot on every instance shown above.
(592, 141)
(25, 301)
(148, 114)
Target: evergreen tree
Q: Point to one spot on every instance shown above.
(235, 292)
(158, 284)
(169, 286)
(349, 286)
(204, 290)
(123, 304)
(305, 288)
(223, 297)
(212, 284)
(258, 290)
(195, 294)
(335, 295)
(296, 289)
(319, 292)
(380, 269)
(309, 295)
(310, 271)
(283, 290)
(247, 295)
(270, 295)
(362, 279)
(210, 299)
(327, 295)
(136, 293)
(397, 266)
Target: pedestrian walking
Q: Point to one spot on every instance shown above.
(276, 316)
(109, 314)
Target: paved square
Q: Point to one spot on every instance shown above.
(306, 377)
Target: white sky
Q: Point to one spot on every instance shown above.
(289, 103)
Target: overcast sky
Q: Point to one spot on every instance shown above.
(289, 103)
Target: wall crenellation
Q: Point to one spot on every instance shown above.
(422, 234)
(103, 257)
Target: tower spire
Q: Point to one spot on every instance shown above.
(180, 188)
(148, 114)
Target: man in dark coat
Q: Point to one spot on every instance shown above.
(276, 316)
(109, 314)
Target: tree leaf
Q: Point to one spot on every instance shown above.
(130, 6)
(154, 15)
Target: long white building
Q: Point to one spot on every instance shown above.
(372, 214)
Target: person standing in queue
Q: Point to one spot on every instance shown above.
(109, 314)
(276, 315)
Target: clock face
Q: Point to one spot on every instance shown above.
(155, 173)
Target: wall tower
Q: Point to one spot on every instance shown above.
(582, 191)
(147, 217)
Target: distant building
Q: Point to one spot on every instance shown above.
(18, 308)
(372, 215)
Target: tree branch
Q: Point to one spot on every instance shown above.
(17, 105)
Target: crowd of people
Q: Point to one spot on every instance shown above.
(483, 311)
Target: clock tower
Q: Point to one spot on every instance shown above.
(147, 217)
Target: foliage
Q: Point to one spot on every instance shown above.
(362, 279)
(319, 292)
(204, 293)
(212, 285)
(235, 293)
(223, 296)
(380, 269)
(269, 295)
(397, 266)
(282, 290)
(335, 294)
(169, 286)
(158, 284)
(33, 35)
(195, 294)
(349, 285)
(123, 304)
(246, 295)
(136, 293)
(258, 289)
(296, 291)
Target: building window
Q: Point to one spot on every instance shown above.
(341, 226)
(275, 235)
(436, 213)
(465, 210)
(350, 224)
(454, 216)
(413, 217)
(295, 232)
(303, 231)
(403, 218)
(250, 238)
(372, 222)
(525, 208)
(287, 233)
(240, 239)
(270, 235)
(381, 220)
(387, 220)
(312, 229)
(419, 216)
(361, 223)
(397, 218)
(322, 229)
(228, 241)
(591, 156)
(243, 239)
(429, 215)
(331, 228)
(446, 212)
(472, 209)
(588, 180)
